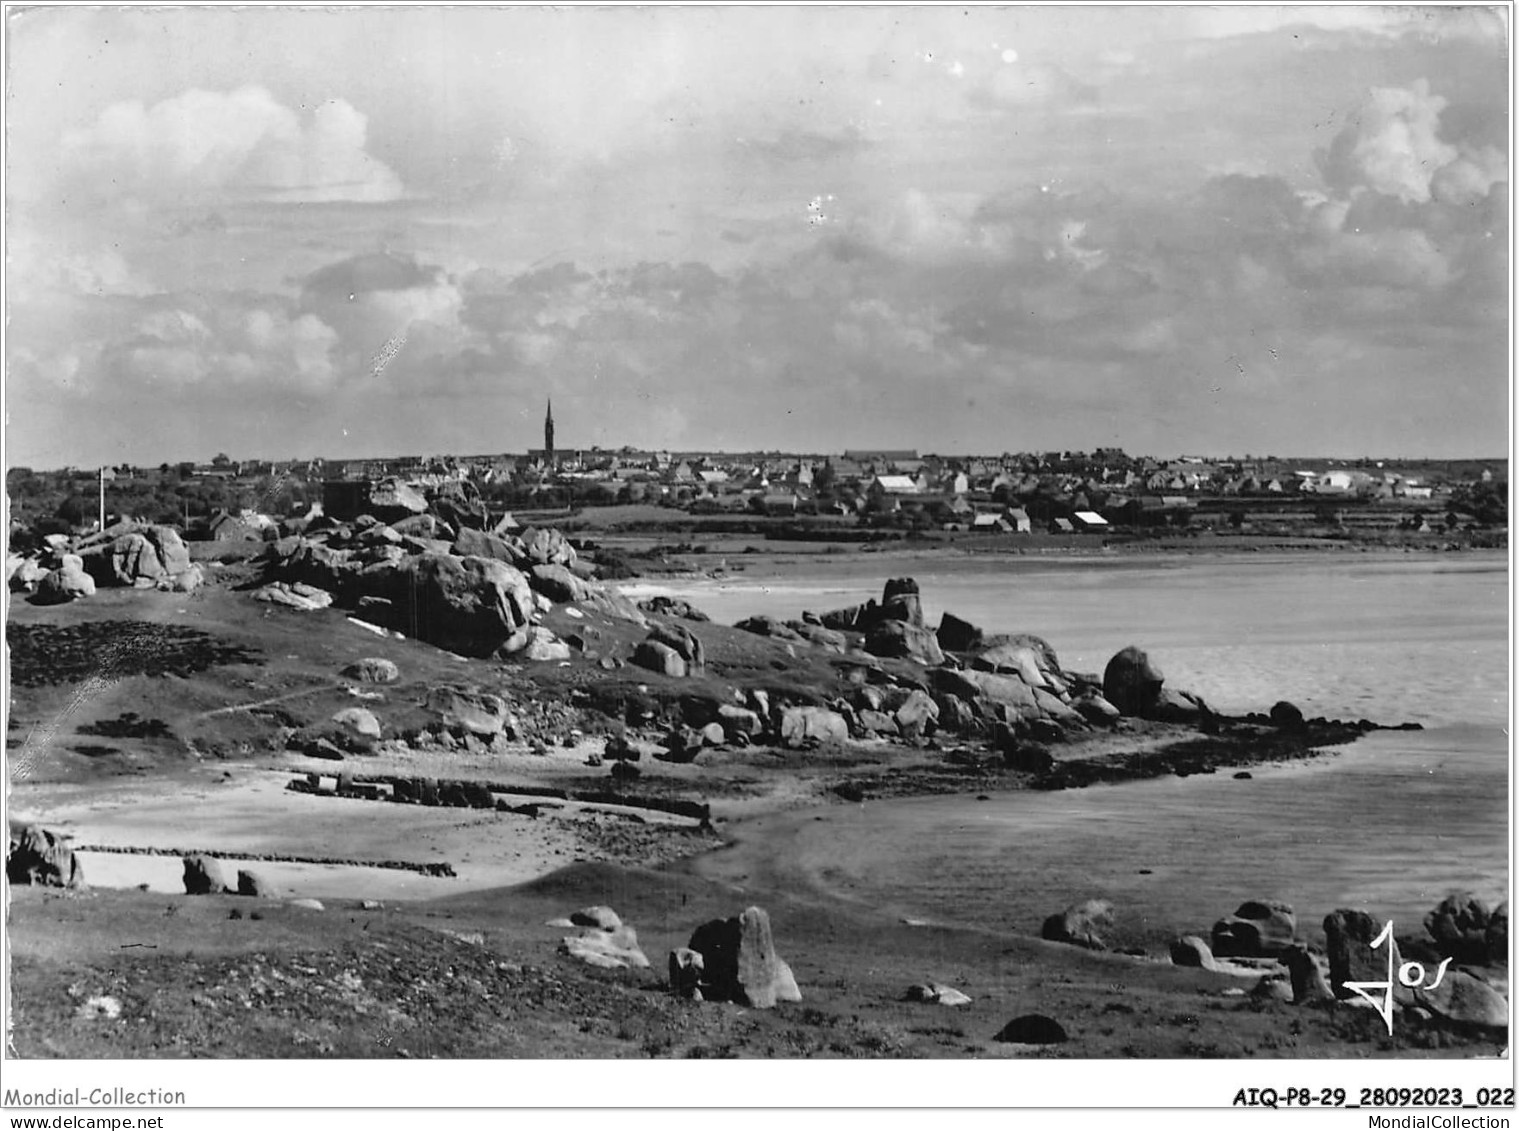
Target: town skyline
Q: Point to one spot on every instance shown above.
(988, 229)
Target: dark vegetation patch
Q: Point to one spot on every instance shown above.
(43, 654)
(129, 724)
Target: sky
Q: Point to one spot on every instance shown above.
(285, 233)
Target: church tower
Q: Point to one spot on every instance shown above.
(548, 435)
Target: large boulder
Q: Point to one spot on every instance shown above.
(35, 855)
(544, 647)
(1032, 1029)
(1348, 935)
(956, 635)
(466, 708)
(467, 605)
(659, 657)
(1013, 659)
(358, 721)
(1497, 936)
(901, 602)
(203, 876)
(1463, 999)
(557, 583)
(918, 714)
(738, 720)
(1132, 682)
(685, 642)
(1258, 929)
(546, 547)
(1459, 927)
(252, 884)
(1189, 950)
(1003, 691)
(373, 669)
(902, 638)
(1081, 924)
(801, 725)
(611, 949)
(67, 583)
(600, 916)
(392, 500)
(472, 543)
(739, 962)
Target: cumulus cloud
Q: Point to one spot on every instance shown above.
(239, 142)
(1393, 146)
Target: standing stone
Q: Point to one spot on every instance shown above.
(203, 876)
(900, 601)
(1348, 937)
(1308, 982)
(740, 963)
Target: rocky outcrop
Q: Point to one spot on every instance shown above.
(1258, 929)
(546, 547)
(35, 855)
(673, 607)
(739, 962)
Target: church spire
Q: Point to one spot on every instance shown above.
(548, 434)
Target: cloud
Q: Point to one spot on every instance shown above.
(243, 143)
(1393, 146)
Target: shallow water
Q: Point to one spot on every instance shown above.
(1390, 824)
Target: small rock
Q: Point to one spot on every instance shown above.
(104, 1007)
(933, 993)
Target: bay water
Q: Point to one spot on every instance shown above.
(1389, 824)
